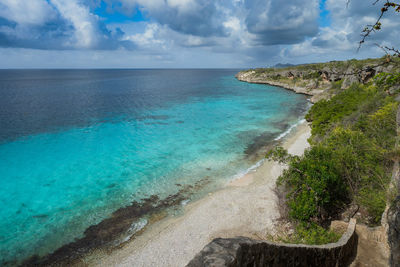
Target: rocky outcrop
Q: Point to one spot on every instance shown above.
(297, 89)
(394, 232)
(315, 79)
(354, 75)
(251, 77)
(243, 251)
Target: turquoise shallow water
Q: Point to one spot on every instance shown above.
(128, 141)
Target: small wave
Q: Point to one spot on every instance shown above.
(135, 227)
(185, 202)
(248, 170)
(289, 130)
(254, 167)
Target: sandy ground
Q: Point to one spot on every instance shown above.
(246, 207)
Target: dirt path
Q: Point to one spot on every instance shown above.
(372, 249)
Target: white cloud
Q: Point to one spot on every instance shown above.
(35, 12)
(149, 38)
(342, 37)
(194, 41)
(81, 19)
(252, 32)
(193, 17)
(282, 22)
(233, 24)
(182, 5)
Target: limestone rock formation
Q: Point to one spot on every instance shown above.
(316, 79)
(394, 232)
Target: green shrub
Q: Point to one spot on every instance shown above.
(374, 201)
(337, 85)
(315, 186)
(387, 80)
(279, 154)
(325, 113)
(312, 75)
(381, 125)
(312, 234)
(360, 160)
(350, 159)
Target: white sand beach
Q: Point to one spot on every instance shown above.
(245, 207)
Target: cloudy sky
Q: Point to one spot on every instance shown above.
(186, 33)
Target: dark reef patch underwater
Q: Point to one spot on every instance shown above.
(120, 227)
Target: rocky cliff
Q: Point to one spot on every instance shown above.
(321, 80)
(394, 232)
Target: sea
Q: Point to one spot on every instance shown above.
(78, 145)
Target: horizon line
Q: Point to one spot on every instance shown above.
(205, 68)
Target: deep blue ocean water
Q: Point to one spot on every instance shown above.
(76, 145)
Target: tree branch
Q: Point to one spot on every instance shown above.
(377, 26)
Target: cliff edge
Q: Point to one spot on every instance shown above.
(321, 80)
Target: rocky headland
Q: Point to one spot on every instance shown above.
(320, 80)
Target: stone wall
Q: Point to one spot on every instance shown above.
(242, 251)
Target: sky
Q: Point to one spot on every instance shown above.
(187, 33)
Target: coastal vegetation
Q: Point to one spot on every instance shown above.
(350, 160)
(322, 80)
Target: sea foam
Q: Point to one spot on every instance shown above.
(289, 130)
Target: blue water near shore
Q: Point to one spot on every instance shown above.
(76, 145)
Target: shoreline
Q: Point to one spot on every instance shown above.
(127, 224)
(314, 94)
(246, 206)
